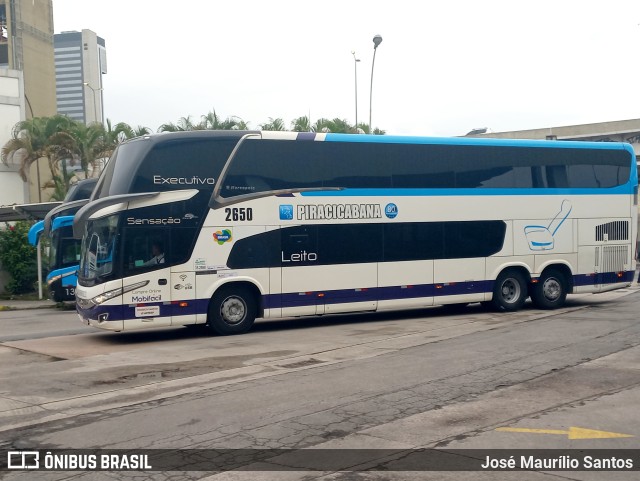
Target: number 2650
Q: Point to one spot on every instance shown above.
(239, 214)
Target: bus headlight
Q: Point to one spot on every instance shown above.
(105, 296)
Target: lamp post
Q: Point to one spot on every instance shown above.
(377, 40)
(95, 104)
(355, 71)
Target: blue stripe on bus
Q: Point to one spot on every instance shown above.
(602, 278)
(34, 232)
(625, 189)
(340, 296)
(491, 142)
(306, 136)
(62, 221)
(67, 273)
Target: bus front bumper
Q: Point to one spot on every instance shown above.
(99, 316)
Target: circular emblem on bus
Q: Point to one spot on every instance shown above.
(222, 236)
(391, 211)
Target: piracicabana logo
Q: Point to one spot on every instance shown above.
(286, 212)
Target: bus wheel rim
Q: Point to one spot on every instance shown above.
(233, 310)
(551, 289)
(510, 291)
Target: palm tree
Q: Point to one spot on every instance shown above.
(212, 121)
(342, 126)
(93, 142)
(184, 124)
(273, 124)
(362, 128)
(321, 125)
(169, 127)
(60, 182)
(114, 134)
(301, 124)
(36, 138)
(336, 126)
(139, 131)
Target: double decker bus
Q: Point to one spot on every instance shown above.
(64, 249)
(277, 224)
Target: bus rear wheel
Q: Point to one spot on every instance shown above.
(510, 291)
(550, 291)
(232, 310)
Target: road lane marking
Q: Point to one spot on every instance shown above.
(572, 433)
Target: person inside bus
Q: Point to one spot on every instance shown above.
(158, 255)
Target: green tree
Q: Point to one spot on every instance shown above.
(273, 124)
(301, 124)
(334, 126)
(36, 138)
(18, 257)
(61, 181)
(184, 124)
(212, 121)
(321, 125)
(91, 144)
(139, 131)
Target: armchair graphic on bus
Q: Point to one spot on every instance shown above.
(541, 238)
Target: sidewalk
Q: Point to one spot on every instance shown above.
(8, 304)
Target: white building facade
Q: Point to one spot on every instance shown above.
(12, 110)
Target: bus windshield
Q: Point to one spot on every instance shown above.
(64, 250)
(99, 246)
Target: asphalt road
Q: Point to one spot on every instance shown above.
(390, 381)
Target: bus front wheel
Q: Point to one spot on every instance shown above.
(232, 310)
(510, 291)
(550, 291)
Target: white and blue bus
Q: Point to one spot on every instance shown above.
(221, 228)
(64, 249)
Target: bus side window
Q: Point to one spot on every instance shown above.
(145, 248)
(299, 246)
(557, 176)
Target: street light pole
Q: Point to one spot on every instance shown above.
(95, 104)
(355, 67)
(377, 40)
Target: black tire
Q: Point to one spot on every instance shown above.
(232, 310)
(550, 291)
(509, 291)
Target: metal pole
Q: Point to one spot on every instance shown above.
(376, 41)
(95, 105)
(38, 174)
(39, 261)
(355, 67)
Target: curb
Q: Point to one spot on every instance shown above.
(14, 307)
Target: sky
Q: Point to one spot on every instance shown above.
(443, 68)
